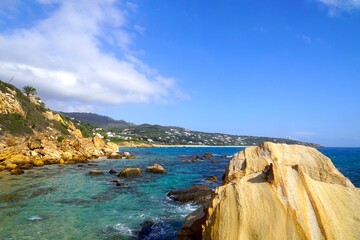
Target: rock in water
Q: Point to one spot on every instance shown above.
(17, 171)
(156, 168)
(130, 172)
(95, 172)
(195, 194)
(212, 179)
(279, 191)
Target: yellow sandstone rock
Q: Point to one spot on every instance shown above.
(10, 105)
(38, 162)
(11, 166)
(99, 143)
(278, 191)
(66, 156)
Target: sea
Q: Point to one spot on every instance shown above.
(65, 202)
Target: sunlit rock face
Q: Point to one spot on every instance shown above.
(278, 191)
(9, 104)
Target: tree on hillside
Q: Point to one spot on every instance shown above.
(29, 90)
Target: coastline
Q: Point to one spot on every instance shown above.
(198, 146)
(178, 146)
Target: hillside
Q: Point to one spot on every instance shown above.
(33, 135)
(120, 130)
(99, 121)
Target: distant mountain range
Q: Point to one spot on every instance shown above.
(120, 130)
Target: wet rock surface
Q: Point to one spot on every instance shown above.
(194, 194)
(212, 179)
(196, 158)
(155, 168)
(130, 172)
(95, 172)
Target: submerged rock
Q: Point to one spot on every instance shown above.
(130, 172)
(152, 230)
(95, 172)
(115, 156)
(155, 168)
(194, 194)
(279, 191)
(212, 179)
(17, 171)
(112, 171)
(145, 230)
(196, 158)
(119, 182)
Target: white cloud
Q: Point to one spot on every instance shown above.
(340, 5)
(311, 40)
(67, 58)
(132, 6)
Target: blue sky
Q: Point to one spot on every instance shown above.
(284, 69)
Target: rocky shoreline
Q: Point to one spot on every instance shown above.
(279, 191)
(21, 153)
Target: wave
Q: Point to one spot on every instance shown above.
(124, 230)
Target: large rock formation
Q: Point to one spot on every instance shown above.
(33, 135)
(278, 191)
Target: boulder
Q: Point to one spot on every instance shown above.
(112, 146)
(194, 194)
(126, 154)
(17, 171)
(98, 142)
(34, 144)
(145, 230)
(279, 191)
(2, 168)
(114, 156)
(212, 179)
(195, 158)
(131, 157)
(119, 182)
(66, 156)
(11, 166)
(33, 154)
(25, 165)
(130, 172)
(192, 226)
(207, 156)
(38, 163)
(95, 172)
(77, 133)
(112, 171)
(155, 168)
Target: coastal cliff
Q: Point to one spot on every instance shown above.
(279, 191)
(33, 135)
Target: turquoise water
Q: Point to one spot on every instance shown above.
(64, 202)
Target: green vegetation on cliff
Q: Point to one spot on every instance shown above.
(22, 113)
